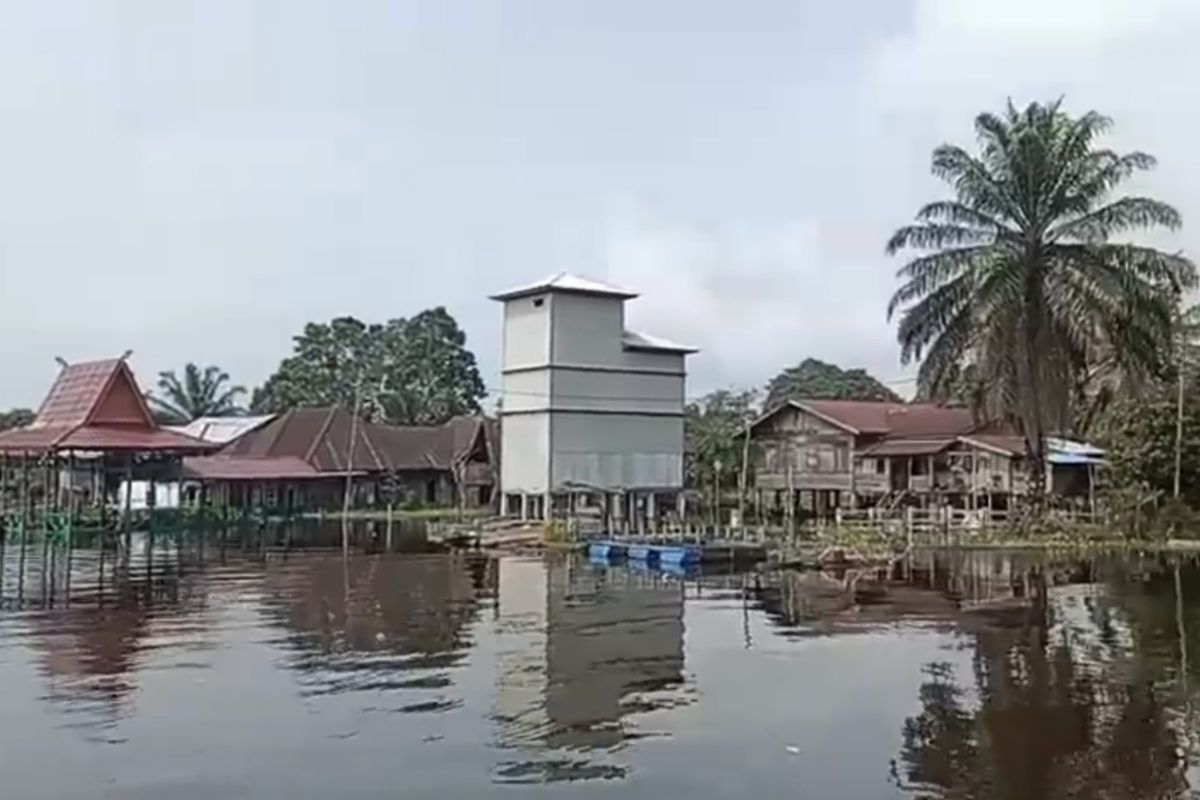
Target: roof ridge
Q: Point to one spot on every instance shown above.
(320, 437)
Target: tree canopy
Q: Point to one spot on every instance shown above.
(414, 371)
(712, 427)
(1018, 274)
(15, 418)
(202, 392)
(813, 379)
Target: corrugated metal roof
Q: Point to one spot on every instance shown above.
(566, 282)
(221, 430)
(1069, 452)
(1006, 444)
(632, 340)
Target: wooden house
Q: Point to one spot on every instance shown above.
(819, 455)
(301, 458)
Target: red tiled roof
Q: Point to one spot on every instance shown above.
(892, 419)
(96, 405)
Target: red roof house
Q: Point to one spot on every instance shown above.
(96, 406)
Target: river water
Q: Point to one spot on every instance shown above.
(272, 674)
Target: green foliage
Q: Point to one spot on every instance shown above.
(203, 392)
(713, 427)
(812, 379)
(15, 418)
(1017, 274)
(412, 371)
(1141, 443)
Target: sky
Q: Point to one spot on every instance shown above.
(194, 181)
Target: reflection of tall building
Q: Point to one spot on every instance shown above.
(583, 650)
(611, 637)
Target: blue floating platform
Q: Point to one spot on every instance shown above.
(606, 550)
(643, 552)
(680, 554)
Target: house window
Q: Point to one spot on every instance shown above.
(431, 491)
(880, 466)
(920, 466)
(538, 302)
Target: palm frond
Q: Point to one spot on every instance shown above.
(1119, 216)
(934, 236)
(923, 275)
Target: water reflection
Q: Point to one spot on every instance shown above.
(974, 676)
(586, 649)
(377, 623)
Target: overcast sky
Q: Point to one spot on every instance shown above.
(196, 180)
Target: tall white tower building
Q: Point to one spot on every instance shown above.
(589, 407)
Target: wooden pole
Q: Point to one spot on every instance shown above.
(127, 511)
(24, 527)
(745, 476)
(350, 466)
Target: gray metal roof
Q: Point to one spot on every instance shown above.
(632, 340)
(221, 430)
(566, 282)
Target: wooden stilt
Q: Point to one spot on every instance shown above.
(127, 510)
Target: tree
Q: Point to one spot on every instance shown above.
(201, 393)
(15, 418)
(1018, 275)
(1141, 442)
(813, 379)
(411, 372)
(713, 428)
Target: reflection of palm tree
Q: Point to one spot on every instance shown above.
(1046, 726)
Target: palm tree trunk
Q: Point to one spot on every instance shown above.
(1034, 412)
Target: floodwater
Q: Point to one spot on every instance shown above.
(251, 673)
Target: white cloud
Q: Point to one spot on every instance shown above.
(754, 301)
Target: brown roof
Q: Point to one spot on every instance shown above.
(892, 419)
(96, 405)
(908, 447)
(234, 468)
(320, 438)
(461, 439)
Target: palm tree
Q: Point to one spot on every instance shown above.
(202, 393)
(1018, 274)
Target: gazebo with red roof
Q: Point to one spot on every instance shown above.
(95, 411)
(96, 406)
